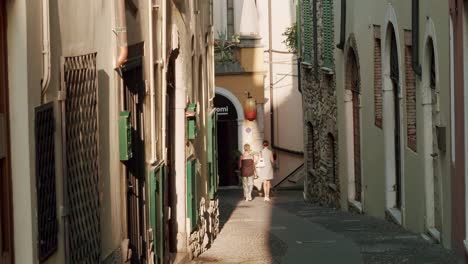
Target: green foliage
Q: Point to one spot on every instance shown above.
(291, 38)
(224, 49)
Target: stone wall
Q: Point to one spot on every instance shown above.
(207, 227)
(320, 111)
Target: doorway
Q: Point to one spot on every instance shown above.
(6, 212)
(227, 139)
(354, 109)
(395, 81)
(431, 130)
(392, 126)
(170, 143)
(133, 94)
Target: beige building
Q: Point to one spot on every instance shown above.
(95, 105)
(252, 58)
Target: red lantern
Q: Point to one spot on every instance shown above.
(250, 108)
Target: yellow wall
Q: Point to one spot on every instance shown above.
(242, 83)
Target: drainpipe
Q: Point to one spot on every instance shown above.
(121, 31)
(162, 65)
(151, 83)
(270, 64)
(342, 25)
(415, 37)
(45, 49)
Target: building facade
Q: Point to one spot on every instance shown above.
(106, 154)
(251, 58)
(378, 110)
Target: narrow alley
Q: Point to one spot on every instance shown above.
(135, 131)
(288, 230)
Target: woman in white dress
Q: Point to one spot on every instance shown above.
(266, 172)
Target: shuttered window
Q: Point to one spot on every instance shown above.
(328, 46)
(307, 28)
(299, 28)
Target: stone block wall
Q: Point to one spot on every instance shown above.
(320, 118)
(207, 227)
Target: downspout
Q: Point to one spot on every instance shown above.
(163, 73)
(121, 31)
(342, 25)
(415, 37)
(45, 49)
(151, 83)
(270, 64)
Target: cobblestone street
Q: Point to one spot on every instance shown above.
(287, 230)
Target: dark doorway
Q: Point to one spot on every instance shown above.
(395, 78)
(6, 211)
(228, 147)
(170, 144)
(134, 92)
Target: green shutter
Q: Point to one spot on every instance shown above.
(191, 122)
(191, 193)
(328, 46)
(298, 29)
(125, 136)
(307, 25)
(157, 183)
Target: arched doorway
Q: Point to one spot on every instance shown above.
(392, 122)
(228, 140)
(432, 151)
(353, 109)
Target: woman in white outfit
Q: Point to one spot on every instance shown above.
(266, 172)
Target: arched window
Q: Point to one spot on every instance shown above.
(310, 162)
(331, 158)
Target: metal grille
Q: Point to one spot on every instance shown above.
(45, 181)
(82, 157)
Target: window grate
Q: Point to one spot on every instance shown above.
(80, 80)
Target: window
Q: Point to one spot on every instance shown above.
(328, 46)
(307, 26)
(230, 19)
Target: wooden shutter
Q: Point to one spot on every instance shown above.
(307, 25)
(328, 29)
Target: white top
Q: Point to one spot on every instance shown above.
(266, 173)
